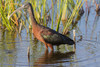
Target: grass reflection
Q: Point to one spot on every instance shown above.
(7, 49)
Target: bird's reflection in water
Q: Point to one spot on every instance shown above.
(54, 57)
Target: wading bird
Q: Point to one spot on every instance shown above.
(46, 35)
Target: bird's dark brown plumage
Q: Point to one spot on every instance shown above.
(55, 38)
(46, 35)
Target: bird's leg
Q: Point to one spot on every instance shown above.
(51, 47)
(46, 46)
(50, 54)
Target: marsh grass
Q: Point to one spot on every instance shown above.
(73, 15)
(65, 9)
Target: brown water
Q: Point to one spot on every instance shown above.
(13, 47)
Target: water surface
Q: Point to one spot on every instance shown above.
(13, 47)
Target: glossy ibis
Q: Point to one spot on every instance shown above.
(46, 35)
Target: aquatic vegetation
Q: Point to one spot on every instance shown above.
(43, 10)
(75, 12)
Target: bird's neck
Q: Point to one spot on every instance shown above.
(32, 17)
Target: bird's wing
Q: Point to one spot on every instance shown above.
(51, 36)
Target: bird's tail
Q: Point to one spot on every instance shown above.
(69, 41)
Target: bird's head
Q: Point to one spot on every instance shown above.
(27, 6)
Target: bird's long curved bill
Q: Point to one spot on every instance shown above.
(20, 8)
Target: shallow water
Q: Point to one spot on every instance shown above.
(13, 48)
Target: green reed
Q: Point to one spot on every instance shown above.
(65, 9)
(52, 13)
(3, 15)
(74, 13)
(61, 10)
(6, 8)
